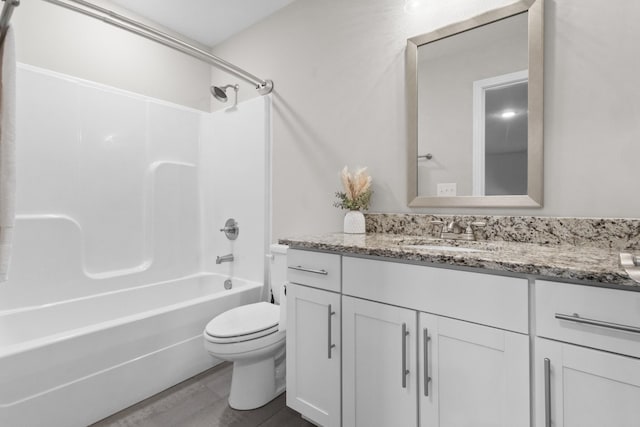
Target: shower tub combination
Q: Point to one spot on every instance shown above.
(75, 362)
(90, 322)
(122, 206)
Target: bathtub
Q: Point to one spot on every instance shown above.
(75, 362)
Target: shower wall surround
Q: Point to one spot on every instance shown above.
(235, 176)
(109, 193)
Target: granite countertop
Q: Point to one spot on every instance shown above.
(576, 263)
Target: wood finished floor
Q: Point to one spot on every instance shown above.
(202, 402)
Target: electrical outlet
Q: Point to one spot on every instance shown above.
(447, 189)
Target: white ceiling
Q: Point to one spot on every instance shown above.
(206, 21)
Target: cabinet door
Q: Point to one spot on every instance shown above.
(379, 365)
(475, 375)
(585, 387)
(313, 354)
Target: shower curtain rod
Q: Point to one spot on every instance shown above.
(263, 87)
(5, 18)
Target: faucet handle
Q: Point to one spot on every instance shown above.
(231, 229)
(437, 226)
(474, 226)
(478, 224)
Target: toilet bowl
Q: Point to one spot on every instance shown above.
(253, 338)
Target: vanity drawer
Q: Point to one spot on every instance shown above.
(316, 269)
(608, 319)
(499, 301)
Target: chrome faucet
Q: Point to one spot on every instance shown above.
(455, 227)
(224, 258)
(456, 230)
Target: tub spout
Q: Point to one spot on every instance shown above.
(224, 258)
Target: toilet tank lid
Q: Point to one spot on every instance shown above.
(276, 248)
(243, 320)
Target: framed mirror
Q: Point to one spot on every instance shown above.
(475, 111)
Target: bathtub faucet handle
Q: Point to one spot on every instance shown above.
(231, 229)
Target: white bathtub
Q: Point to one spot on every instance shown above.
(76, 362)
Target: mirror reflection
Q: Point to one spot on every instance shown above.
(503, 168)
(472, 111)
(475, 111)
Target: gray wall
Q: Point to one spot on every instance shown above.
(57, 39)
(338, 67)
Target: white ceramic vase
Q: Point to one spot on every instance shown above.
(354, 222)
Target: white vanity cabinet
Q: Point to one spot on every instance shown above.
(587, 356)
(424, 346)
(314, 336)
(379, 375)
(475, 374)
(472, 375)
(585, 387)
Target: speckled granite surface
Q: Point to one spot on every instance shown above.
(519, 245)
(614, 233)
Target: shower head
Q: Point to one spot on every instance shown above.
(220, 92)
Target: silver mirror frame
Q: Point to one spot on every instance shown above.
(535, 181)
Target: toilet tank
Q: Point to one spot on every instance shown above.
(278, 269)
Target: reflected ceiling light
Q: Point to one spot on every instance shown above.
(411, 6)
(507, 114)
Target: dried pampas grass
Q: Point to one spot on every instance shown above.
(357, 190)
(357, 184)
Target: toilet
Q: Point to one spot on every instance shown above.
(252, 337)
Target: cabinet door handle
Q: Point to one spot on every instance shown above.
(577, 319)
(331, 345)
(310, 270)
(547, 392)
(427, 378)
(405, 371)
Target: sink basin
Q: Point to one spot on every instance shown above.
(442, 248)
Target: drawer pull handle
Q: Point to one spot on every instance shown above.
(405, 371)
(427, 378)
(577, 319)
(547, 392)
(310, 270)
(331, 345)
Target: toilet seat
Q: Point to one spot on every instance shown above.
(244, 323)
(250, 336)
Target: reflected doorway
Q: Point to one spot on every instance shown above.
(500, 135)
